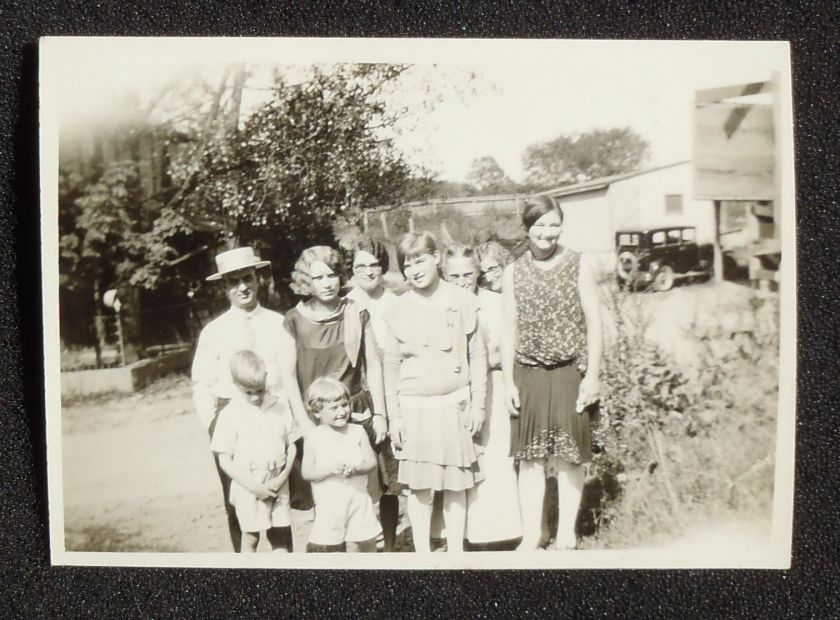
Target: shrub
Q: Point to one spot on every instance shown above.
(691, 442)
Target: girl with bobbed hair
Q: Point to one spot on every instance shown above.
(435, 368)
(367, 259)
(551, 357)
(302, 273)
(326, 335)
(493, 515)
(492, 259)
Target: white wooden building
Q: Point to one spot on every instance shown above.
(662, 196)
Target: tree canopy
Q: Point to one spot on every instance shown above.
(487, 176)
(570, 159)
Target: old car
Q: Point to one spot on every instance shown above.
(656, 258)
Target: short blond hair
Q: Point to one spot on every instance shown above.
(247, 370)
(323, 391)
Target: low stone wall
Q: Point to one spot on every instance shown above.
(126, 379)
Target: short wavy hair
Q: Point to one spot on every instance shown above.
(324, 391)
(302, 274)
(365, 243)
(414, 244)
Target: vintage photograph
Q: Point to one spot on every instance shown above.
(324, 303)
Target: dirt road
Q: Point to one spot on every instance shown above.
(138, 475)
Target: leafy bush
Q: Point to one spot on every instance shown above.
(684, 444)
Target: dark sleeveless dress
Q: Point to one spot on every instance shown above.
(321, 352)
(549, 361)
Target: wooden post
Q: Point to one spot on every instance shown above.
(384, 222)
(777, 144)
(120, 339)
(718, 251)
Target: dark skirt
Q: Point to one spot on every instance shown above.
(548, 425)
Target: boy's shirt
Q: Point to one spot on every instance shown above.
(257, 437)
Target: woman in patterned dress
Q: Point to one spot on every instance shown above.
(551, 357)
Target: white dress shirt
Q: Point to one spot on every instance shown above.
(232, 331)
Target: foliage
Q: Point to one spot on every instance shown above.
(573, 159)
(684, 441)
(487, 176)
(313, 152)
(101, 224)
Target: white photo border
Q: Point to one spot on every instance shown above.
(55, 52)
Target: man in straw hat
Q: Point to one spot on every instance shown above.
(245, 325)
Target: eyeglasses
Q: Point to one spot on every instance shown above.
(373, 267)
(494, 270)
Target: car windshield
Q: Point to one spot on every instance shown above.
(628, 239)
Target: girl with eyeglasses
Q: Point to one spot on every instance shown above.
(368, 260)
(435, 368)
(493, 519)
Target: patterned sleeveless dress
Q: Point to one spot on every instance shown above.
(550, 359)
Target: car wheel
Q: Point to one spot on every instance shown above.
(664, 280)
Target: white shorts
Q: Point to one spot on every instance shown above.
(256, 515)
(343, 513)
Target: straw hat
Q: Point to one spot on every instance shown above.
(236, 260)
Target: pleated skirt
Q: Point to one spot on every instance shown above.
(438, 451)
(548, 425)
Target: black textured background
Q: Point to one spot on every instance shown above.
(31, 588)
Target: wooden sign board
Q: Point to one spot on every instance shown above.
(734, 146)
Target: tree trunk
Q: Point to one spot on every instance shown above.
(101, 341)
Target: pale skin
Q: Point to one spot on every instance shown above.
(318, 466)
(463, 271)
(241, 289)
(262, 490)
(325, 287)
(422, 274)
(543, 239)
(491, 271)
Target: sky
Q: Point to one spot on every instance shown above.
(520, 93)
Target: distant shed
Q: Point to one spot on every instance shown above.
(660, 196)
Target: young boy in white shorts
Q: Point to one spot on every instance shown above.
(254, 438)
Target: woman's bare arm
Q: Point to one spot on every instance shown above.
(508, 340)
(591, 305)
(288, 377)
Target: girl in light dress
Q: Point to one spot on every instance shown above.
(435, 369)
(337, 460)
(493, 517)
